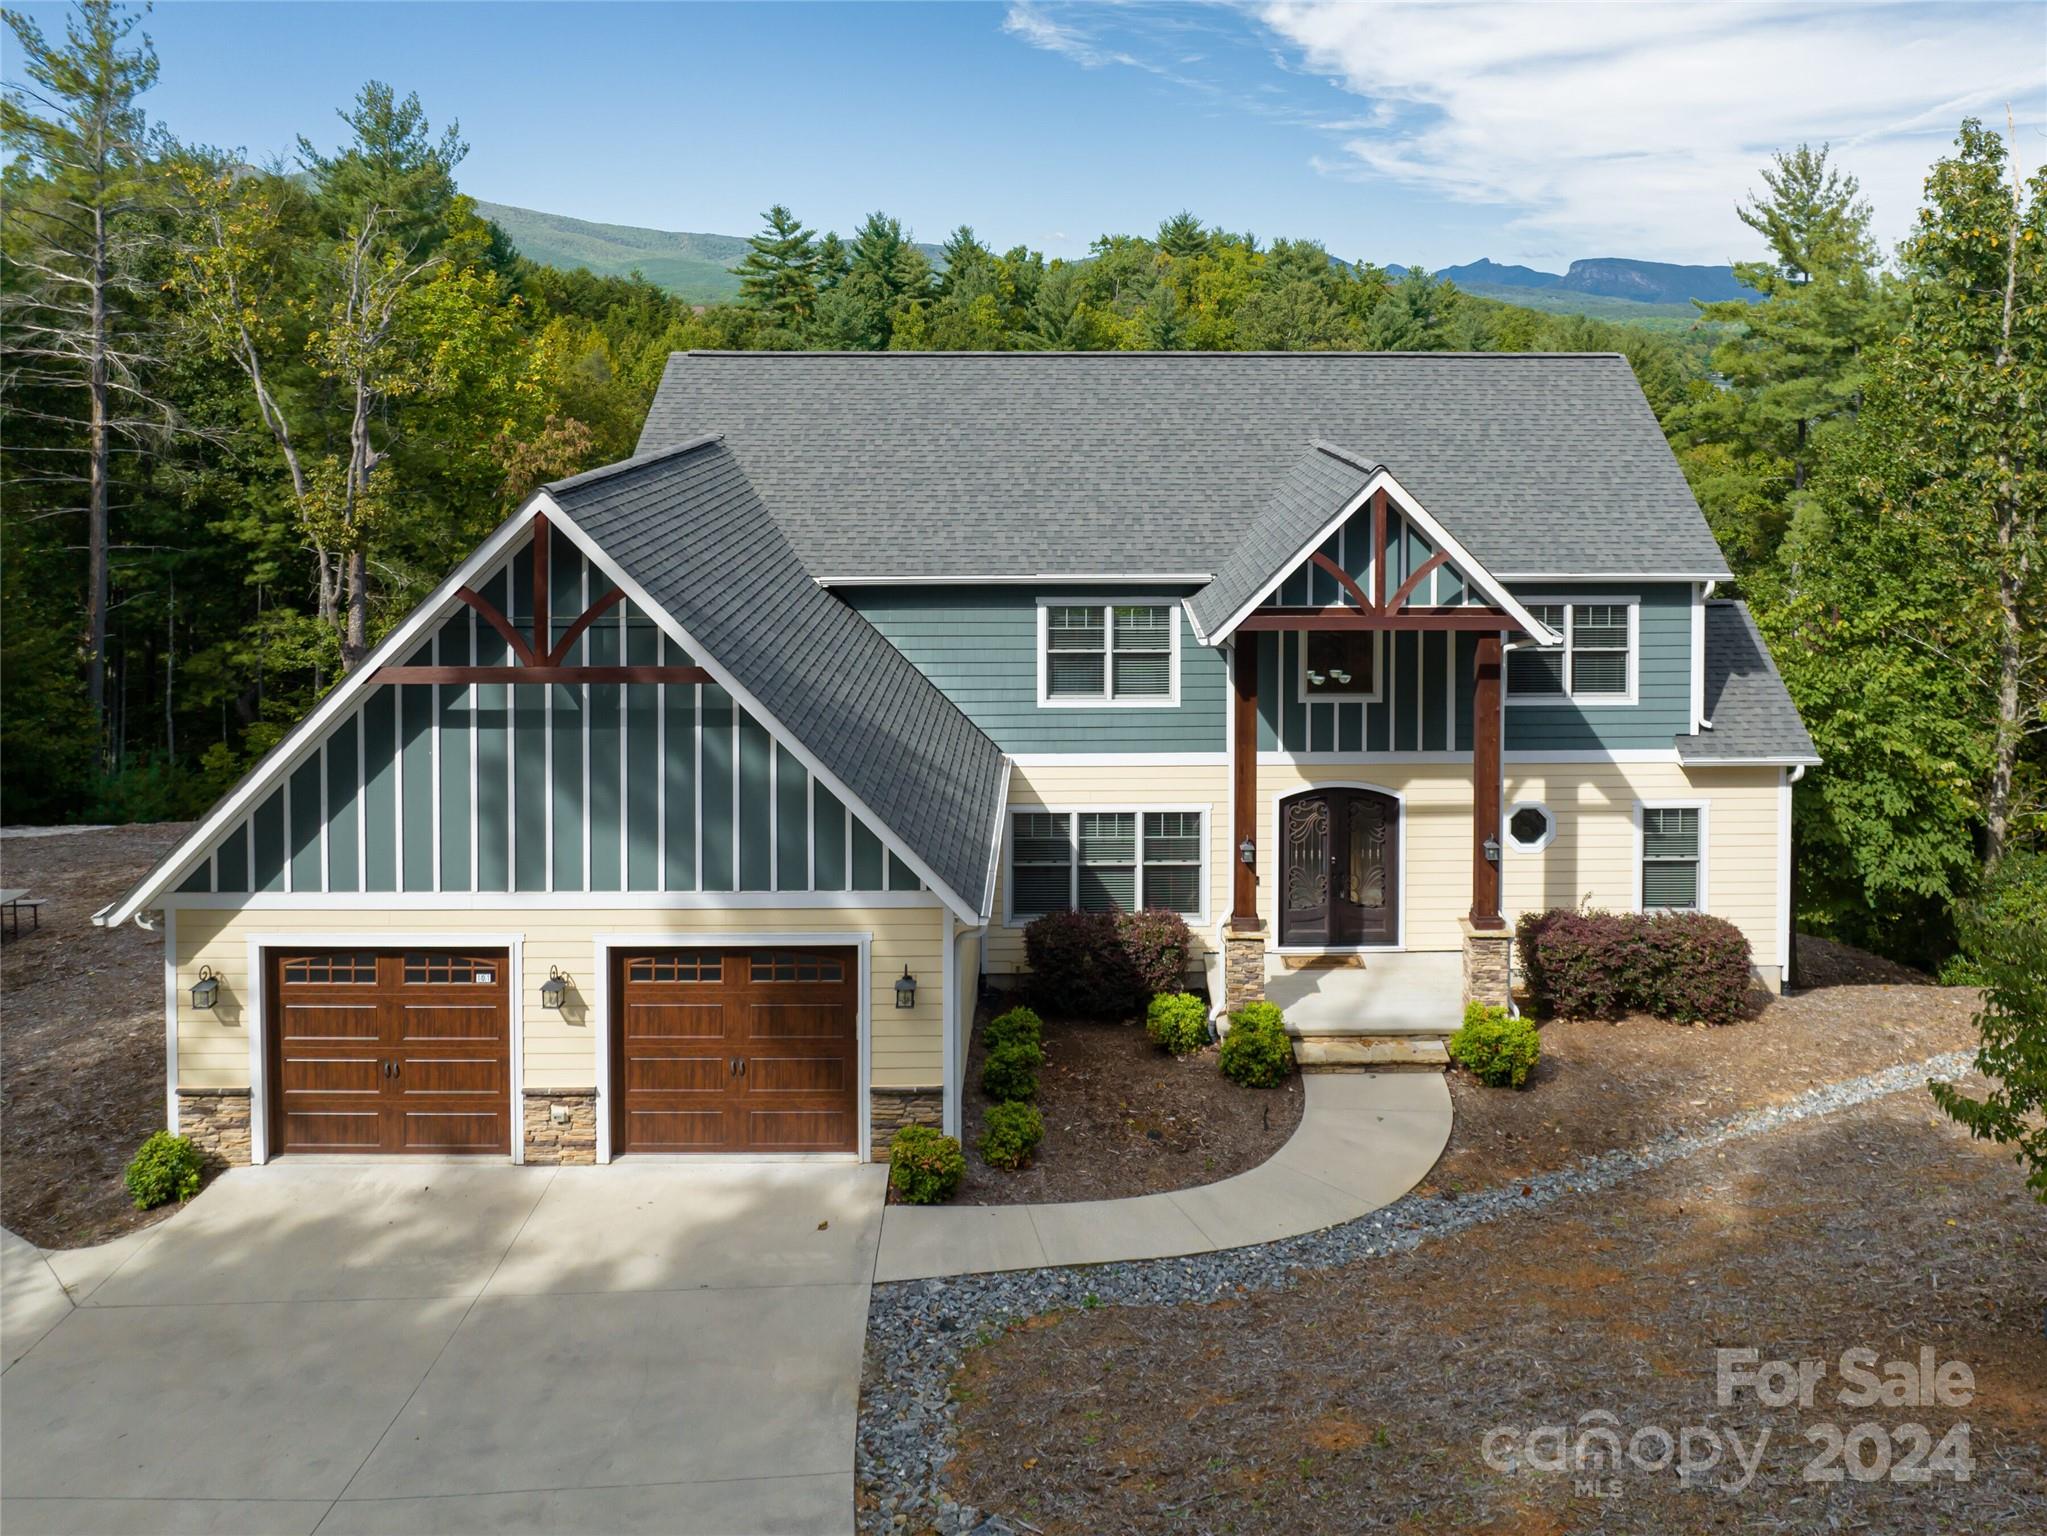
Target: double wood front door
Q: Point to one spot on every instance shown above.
(1339, 868)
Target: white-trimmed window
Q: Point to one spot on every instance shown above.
(1594, 664)
(1094, 652)
(1530, 826)
(1107, 861)
(1673, 858)
(1341, 664)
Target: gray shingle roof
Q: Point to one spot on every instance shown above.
(1752, 714)
(885, 465)
(688, 527)
(1313, 490)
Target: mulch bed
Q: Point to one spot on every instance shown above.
(1123, 1118)
(1604, 1085)
(1360, 1399)
(81, 1057)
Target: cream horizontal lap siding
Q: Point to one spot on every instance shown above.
(560, 1047)
(1111, 784)
(1592, 860)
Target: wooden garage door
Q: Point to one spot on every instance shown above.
(389, 1051)
(736, 1050)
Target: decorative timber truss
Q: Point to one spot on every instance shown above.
(536, 660)
(1378, 611)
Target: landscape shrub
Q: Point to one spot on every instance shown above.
(1078, 967)
(166, 1168)
(1010, 1134)
(1010, 1072)
(1495, 1047)
(1684, 966)
(1017, 1024)
(925, 1165)
(1178, 1022)
(1256, 1052)
(1155, 945)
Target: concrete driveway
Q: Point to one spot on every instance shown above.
(414, 1348)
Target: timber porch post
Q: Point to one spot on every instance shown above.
(1488, 945)
(1243, 934)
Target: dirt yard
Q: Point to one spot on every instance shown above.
(1362, 1401)
(1124, 1118)
(81, 1037)
(1603, 1085)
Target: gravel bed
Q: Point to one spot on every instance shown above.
(918, 1331)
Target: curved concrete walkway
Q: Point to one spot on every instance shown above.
(1365, 1139)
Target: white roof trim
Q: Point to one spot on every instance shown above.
(1091, 578)
(287, 754)
(1382, 479)
(966, 911)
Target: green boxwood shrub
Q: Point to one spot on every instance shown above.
(925, 1165)
(1495, 1047)
(1010, 1134)
(1017, 1024)
(1010, 1072)
(1684, 966)
(166, 1168)
(1256, 1052)
(1178, 1022)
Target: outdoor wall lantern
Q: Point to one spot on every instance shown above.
(553, 989)
(906, 990)
(206, 990)
(1492, 850)
(1247, 852)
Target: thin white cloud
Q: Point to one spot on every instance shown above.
(1635, 129)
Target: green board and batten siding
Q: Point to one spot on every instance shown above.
(549, 788)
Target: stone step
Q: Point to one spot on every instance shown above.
(1375, 1053)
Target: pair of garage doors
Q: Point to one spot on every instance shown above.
(731, 1050)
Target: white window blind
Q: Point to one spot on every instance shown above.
(1109, 652)
(1670, 858)
(1105, 861)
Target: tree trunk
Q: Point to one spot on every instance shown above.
(96, 510)
(355, 644)
(2012, 571)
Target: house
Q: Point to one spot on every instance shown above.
(687, 816)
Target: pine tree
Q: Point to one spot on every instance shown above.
(1182, 237)
(778, 276)
(76, 304)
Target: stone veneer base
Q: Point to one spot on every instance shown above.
(890, 1109)
(572, 1138)
(1243, 967)
(217, 1122)
(1488, 964)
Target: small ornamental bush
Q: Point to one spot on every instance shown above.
(1016, 1025)
(1256, 1052)
(1010, 1134)
(924, 1165)
(1155, 944)
(1078, 968)
(1010, 1072)
(1178, 1022)
(167, 1168)
(1684, 966)
(1495, 1047)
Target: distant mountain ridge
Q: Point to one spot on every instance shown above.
(697, 267)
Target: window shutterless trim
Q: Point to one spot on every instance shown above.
(1549, 833)
(1701, 900)
(1377, 695)
(1109, 698)
(1570, 605)
(1011, 918)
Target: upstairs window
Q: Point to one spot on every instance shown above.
(1340, 664)
(1595, 663)
(1672, 859)
(1108, 653)
(1105, 861)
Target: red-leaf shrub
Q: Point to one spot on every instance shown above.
(1103, 965)
(1685, 966)
(1079, 969)
(1155, 942)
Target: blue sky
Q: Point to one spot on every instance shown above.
(1431, 133)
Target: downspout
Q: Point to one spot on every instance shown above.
(955, 1044)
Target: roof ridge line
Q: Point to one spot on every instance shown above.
(814, 353)
(605, 471)
(1345, 455)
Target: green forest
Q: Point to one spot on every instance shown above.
(251, 414)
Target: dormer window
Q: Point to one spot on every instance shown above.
(1595, 664)
(1101, 653)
